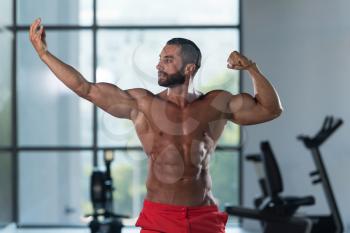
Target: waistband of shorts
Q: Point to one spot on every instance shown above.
(168, 207)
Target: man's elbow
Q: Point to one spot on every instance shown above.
(276, 112)
(83, 90)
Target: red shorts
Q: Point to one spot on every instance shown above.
(163, 218)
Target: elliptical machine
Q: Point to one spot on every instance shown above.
(104, 220)
(331, 223)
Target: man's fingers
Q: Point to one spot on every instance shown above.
(235, 67)
(38, 28)
(238, 61)
(42, 33)
(231, 66)
(31, 32)
(41, 29)
(33, 28)
(238, 54)
(243, 58)
(35, 25)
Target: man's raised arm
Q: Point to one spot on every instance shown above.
(265, 105)
(107, 96)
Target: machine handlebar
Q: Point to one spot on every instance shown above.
(329, 126)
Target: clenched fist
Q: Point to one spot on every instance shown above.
(37, 37)
(238, 62)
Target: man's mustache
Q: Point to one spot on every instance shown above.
(162, 73)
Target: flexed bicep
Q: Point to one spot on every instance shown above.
(246, 110)
(119, 103)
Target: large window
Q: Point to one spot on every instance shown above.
(6, 113)
(56, 136)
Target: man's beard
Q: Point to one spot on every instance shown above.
(170, 80)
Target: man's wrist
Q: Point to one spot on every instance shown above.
(43, 54)
(252, 66)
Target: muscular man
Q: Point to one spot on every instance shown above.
(178, 128)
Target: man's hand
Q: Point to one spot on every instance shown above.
(238, 62)
(37, 37)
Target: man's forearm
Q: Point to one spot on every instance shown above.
(67, 74)
(265, 93)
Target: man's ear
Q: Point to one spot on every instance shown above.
(190, 69)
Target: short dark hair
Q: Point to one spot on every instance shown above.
(189, 51)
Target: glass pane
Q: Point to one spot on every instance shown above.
(129, 59)
(55, 11)
(6, 184)
(5, 88)
(48, 112)
(129, 172)
(54, 187)
(5, 13)
(159, 12)
(224, 169)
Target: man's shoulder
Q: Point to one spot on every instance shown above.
(218, 99)
(139, 93)
(217, 93)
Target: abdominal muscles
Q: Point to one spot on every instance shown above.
(179, 177)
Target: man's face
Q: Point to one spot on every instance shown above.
(170, 67)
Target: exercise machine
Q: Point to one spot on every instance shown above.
(270, 181)
(275, 212)
(271, 184)
(104, 220)
(273, 223)
(269, 208)
(331, 223)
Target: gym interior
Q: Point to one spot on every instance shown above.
(52, 142)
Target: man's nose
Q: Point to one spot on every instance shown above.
(159, 66)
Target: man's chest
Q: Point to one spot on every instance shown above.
(168, 119)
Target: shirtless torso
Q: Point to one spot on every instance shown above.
(179, 143)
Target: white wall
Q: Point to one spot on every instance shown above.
(303, 47)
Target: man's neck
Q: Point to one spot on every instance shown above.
(182, 94)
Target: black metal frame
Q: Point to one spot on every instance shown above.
(240, 150)
(14, 148)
